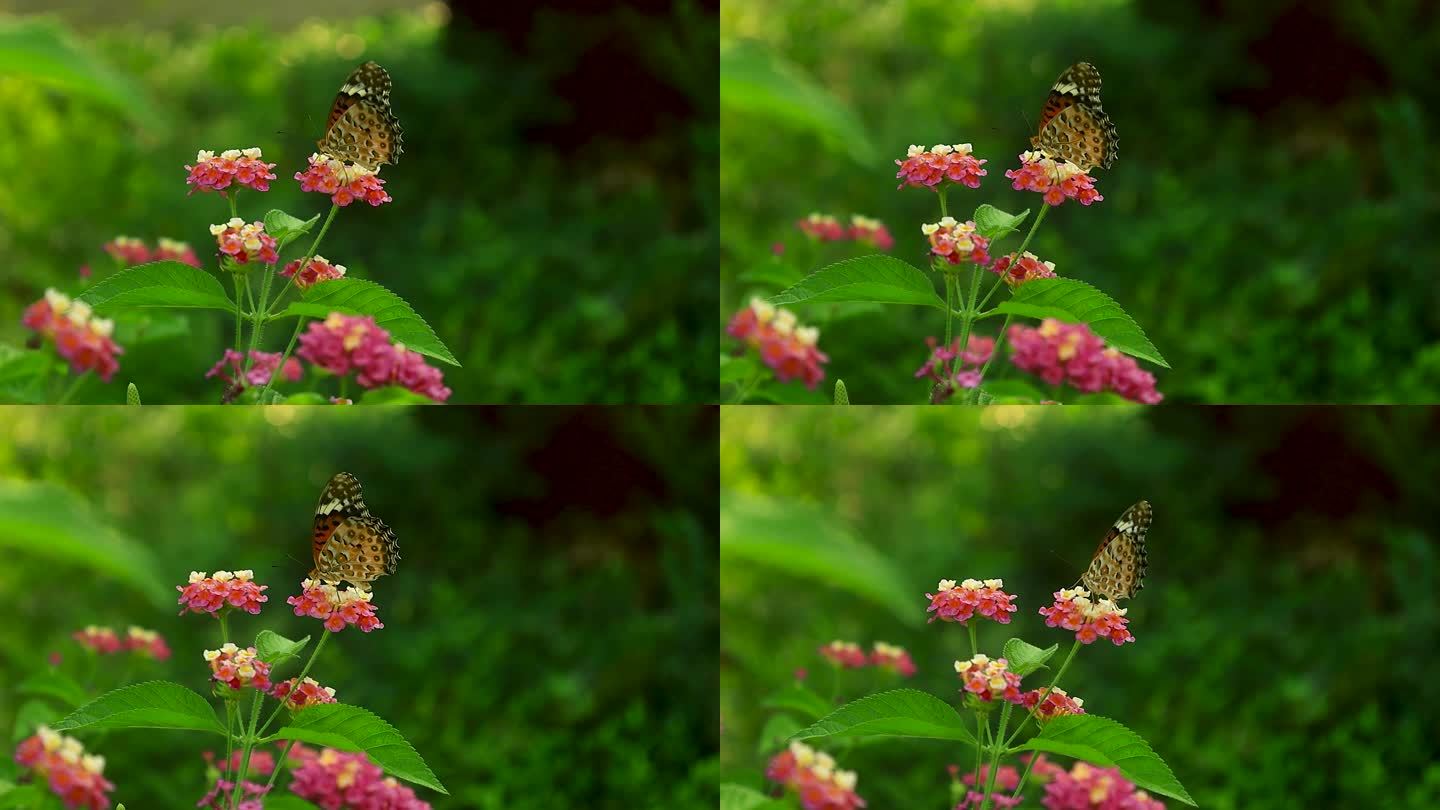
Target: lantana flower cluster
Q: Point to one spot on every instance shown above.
(1074, 610)
(927, 168)
(956, 241)
(850, 655)
(130, 251)
(105, 641)
(845, 654)
(252, 795)
(297, 694)
(894, 658)
(1027, 267)
(334, 779)
(73, 775)
(81, 338)
(827, 228)
(316, 270)
(230, 369)
(223, 590)
(344, 343)
(262, 763)
(950, 376)
(336, 608)
(342, 182)
(1070, 353)
(245, 167)
(988, 678)
(784, 345)
(1058, 181)
(962, 602)
(238, 668)
(1057, 703)
(1085, 786)
(813, 777)
(243, 241)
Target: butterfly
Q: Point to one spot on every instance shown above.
(1117, 571)
(350, 544)
(1073, 125)
(361, 128)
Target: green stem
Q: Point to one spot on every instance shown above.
(256, 699)
(980, 727)
(942, 191)
(71, 390)
(314, 246)
(991, 294)
(1034, 226)
(239, 318)
(949, 305)
(1053, 683)
(970, 312)
(258, 322)
(999, 341)
(995, 752)
(231, 196)
(300, 320)
(280, 766)
(974, 648)
(319, 645)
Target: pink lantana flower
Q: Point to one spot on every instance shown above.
(845, 654)
(950, 376)
(928, 168)
(988, 678)
(223, 590)
(822, 227)
(394, 364)
(896, 659)
(76, 777)
(146, 642)
(1073, 610)
(1060, 352)
(814, 778)
(101, 640)
(252, 794)
(243, 241)
(262, 763)
(178, 251)
(1057, 703)
(1057, 181)
(784, 345)
(262, 367)
(213, 172)
(297, 696)
(127, 250)
(957, 242)
(317, 270)
(81, 338)
(962, 602)
(238, 668)
(344, 343)
(870, 231)
(336, 608)
(1027, 268)
(1085, 786)
(332, 778)
(343, 183)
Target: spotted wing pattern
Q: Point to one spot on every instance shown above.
(1073, 124)
(349, 543)
(361, 128)
(1117, 571)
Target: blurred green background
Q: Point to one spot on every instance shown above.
(1285, 635)
(1265, 220)
(553, 216)
(548, 633)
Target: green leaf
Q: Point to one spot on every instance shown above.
(307, 398)
(22, 375)
(25, 796)
(354, 296)
(1026, 658)
(286, 801)
(42, 521)
(151, 326)
(351, 728)
(842, 397)
(994, 224)
(757, 82)
(277, 649)
(1104, 742)
(797, 698)
(801, 540)
(1075, 301)
(776, 732)
(158, 284)
(1013, 392)
(394, 395)
(898, 713)
(736, 370)
(882, 279)
(54, 685)
(132, 394)
(156, 704)
(739, 797)
(286, 228)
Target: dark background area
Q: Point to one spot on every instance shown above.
(553, 216)
(547, 635)
(1285, 633)
(1264, 221)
